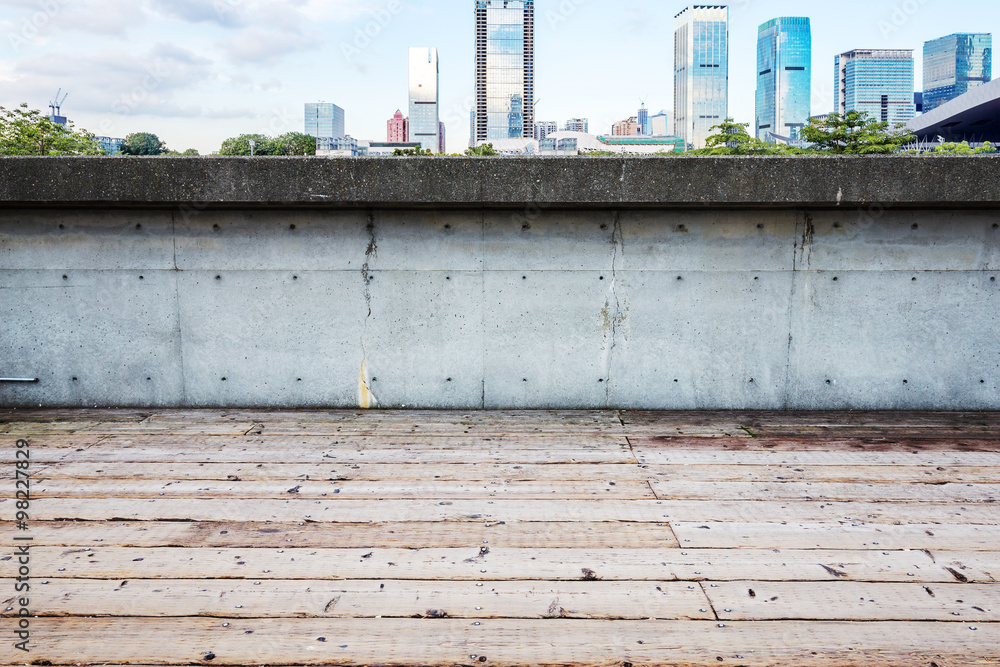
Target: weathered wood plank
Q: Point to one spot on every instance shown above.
(369, 511)
(269, 598)
(841, 535)
(970, 566)
(670, 456)
(874, 492)
(409, 488)
(107, 453)
(522, 472)
(483, 563)
(855, 601)
(553, 642)
(924, 441)
(413, 535)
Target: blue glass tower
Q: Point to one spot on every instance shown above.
(784, 79)
(954, 65)
(876, 81)
(505, 69)
(325, 120)
(701, 71)
(645, 125)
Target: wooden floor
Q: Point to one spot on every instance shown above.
(513, 538)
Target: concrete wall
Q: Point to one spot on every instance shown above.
(694, 304)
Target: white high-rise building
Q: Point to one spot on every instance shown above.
(660, 124)
(425, 120)
(701, 71)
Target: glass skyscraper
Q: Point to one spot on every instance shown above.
(645, 126)
(784, 79)
(876, 81)
(324, 119)
(505, 69)
(425, 120)
(701, 71)
(954, 65)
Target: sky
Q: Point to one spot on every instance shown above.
(196, 72)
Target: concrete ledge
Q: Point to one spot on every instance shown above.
(202, 183)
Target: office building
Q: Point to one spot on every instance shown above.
(545, 128)
(472, 128)
(645, 127)
(442, 143)
(578, 125)
(918, 102)
(398, 128)
(111, 145)
(954, 65)
(701, 71)
(505, 69)
(878, 82)
(425, 120)
(784, 79)
(626, 128)
(324, 120)
(660, 124)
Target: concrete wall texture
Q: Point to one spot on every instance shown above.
(699, 304)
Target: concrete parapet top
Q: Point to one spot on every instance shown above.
(771, 182)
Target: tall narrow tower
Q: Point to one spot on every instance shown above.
(784, 79)
(505, 69)
(701, 71)
(425, 121)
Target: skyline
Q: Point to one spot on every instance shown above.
(197, 73)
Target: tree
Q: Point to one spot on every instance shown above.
(963, 149)
(855, 133)
(417, 151)
(732, 138)
(241, 145)
(191, 152)
(25, 131)
(486, 150)
(143, 143)
(292, 143)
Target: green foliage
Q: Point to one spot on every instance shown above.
(486, 150)
(291, 143)
(191, 152)
(855, 133)
(406, 152)
(241, 145)
(732, 138)
(25, 131)
(143, 143)
(963, 149)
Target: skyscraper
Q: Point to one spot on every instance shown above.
(645, 127)
(325, 120)
(954, 65)
(505, 69)
(544, 128)
(398, 129)
(701, 71)
(660, 124)
(784, 79)
(425, 120)
(876, 81)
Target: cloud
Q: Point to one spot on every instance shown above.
(227, 13)
(112, 81)
(261, 45)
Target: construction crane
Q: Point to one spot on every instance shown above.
(55, 106)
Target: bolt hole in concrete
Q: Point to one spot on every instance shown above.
(996, 226)
(149, 379)
(64, 226)
(835, 279)
(139, 226)
(292, 227)
(448, 380)
(142, 277)
(216, 227)
(602, 277)
(295, 277)
(447, 226)
(223, 379)
(916, 226)
(298, 379)
(906, 382)
(74, 379)
(760, 226)
(374, 379)
(218, 277)
(65, 277)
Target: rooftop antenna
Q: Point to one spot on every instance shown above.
(56, 105)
